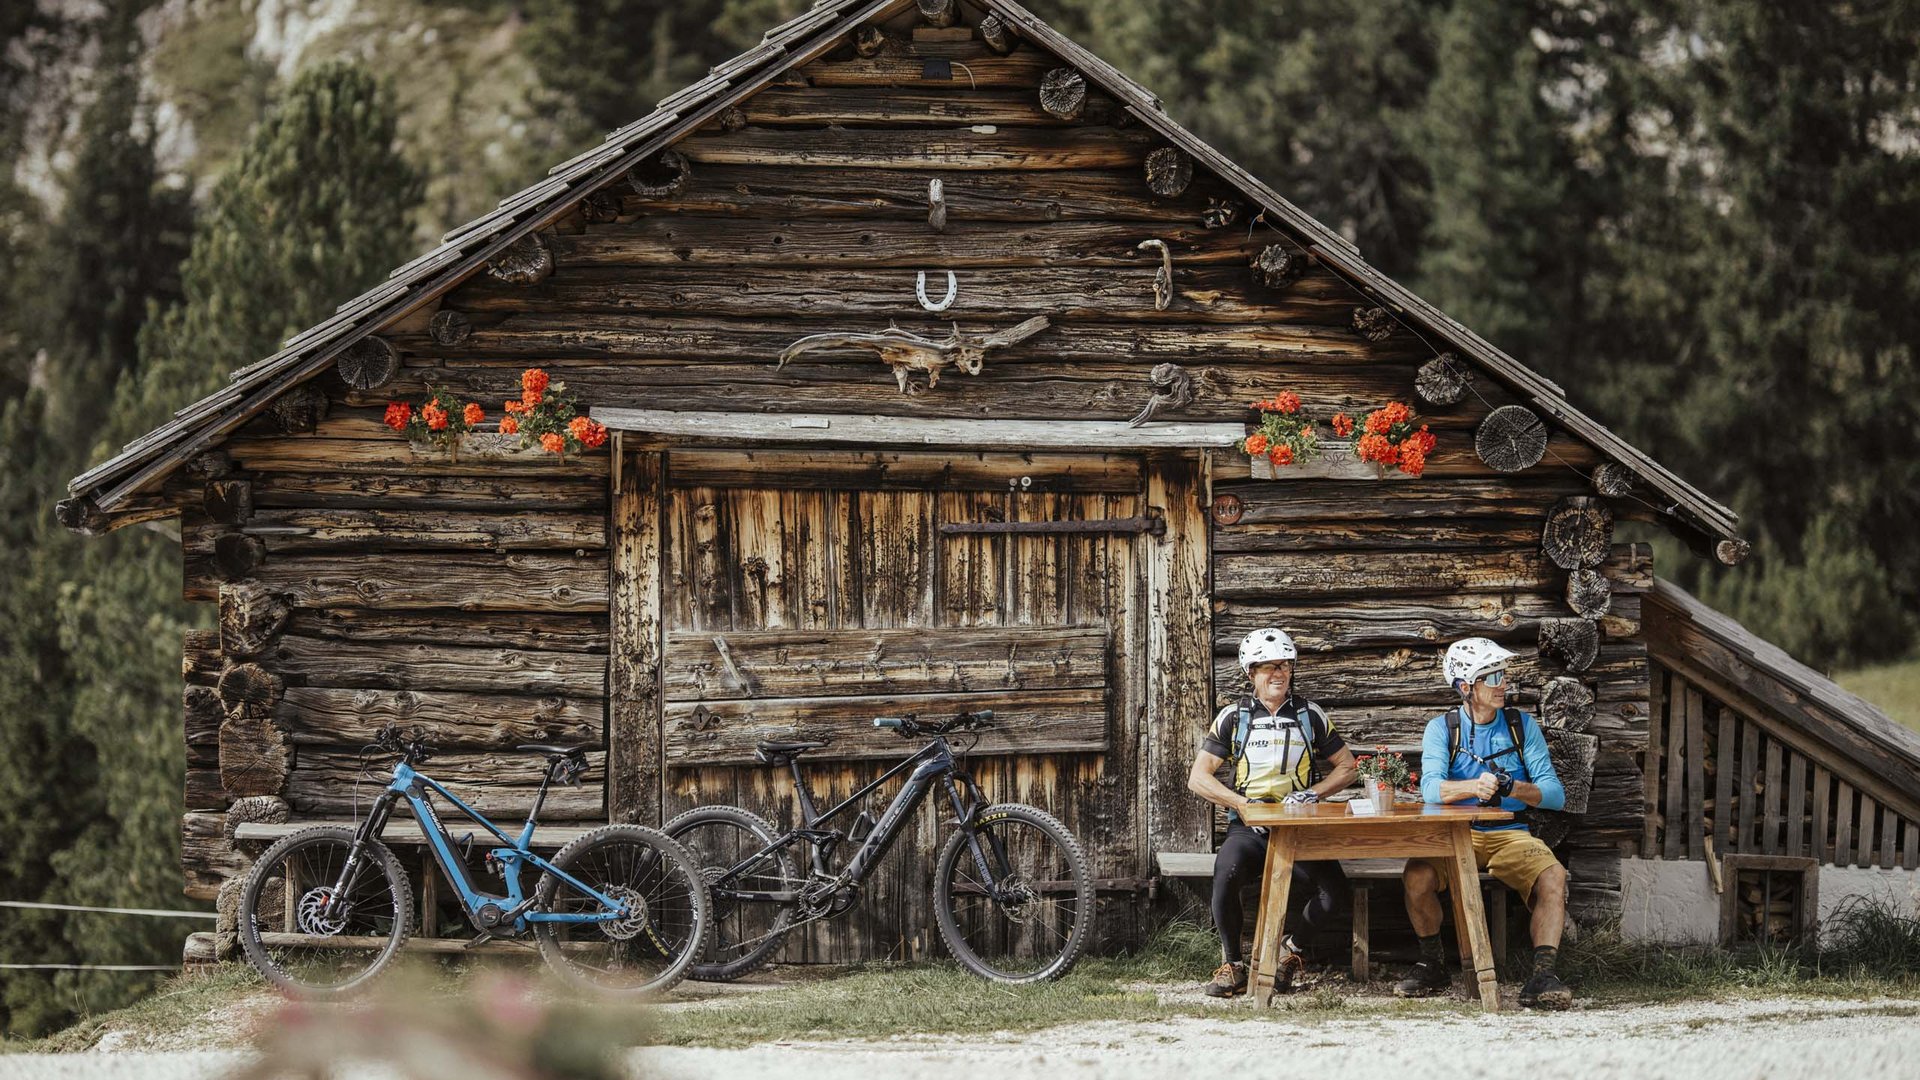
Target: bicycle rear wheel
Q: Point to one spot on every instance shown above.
(746, 933)
(1013, 897)
(310, 942)
(666, 926)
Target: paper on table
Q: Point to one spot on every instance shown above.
(1362, 807)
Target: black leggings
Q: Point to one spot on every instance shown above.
(1319, 888)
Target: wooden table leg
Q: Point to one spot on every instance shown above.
(1467, 877)
(1273, 915)
(1362, 967)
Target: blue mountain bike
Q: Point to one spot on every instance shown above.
(621, 908)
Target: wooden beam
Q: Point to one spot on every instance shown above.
(636, 753)
(1653, 760)
(1696, 772)
(513, 582)
(1179, 638)
(861, 430)
(906, 660)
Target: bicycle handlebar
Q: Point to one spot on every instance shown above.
(908, 726)
(413, 749)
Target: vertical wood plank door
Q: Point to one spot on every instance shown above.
(803, 593)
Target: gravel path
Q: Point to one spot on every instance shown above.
(1771, 1037)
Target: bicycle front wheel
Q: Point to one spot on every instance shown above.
(1013, 897)
(648, 949)
(309, 935)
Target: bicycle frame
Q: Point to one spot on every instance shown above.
(515, 854)
(932, 763)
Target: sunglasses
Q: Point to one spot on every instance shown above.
(1493, 678)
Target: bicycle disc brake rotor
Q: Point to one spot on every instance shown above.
(627, 926)
(1016, 898)
(313, 916)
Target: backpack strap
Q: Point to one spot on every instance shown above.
(1453, 735)
(1304, 717)
(1242, 729)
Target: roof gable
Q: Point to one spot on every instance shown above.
(109, 494)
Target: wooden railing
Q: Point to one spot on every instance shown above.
(1750, 752)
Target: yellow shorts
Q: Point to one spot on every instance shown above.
(1515, 856)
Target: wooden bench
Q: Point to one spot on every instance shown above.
(1362, 874)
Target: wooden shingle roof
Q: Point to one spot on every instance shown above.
(114, 491)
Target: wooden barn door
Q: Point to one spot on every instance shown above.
(801, 594)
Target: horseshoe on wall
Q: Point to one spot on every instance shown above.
(953, 290)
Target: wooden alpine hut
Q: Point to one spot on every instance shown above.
(924, 338)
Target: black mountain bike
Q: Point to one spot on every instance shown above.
(1011, 892)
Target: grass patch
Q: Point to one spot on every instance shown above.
(175, 1006)
(1893, 687)
(1870, 951)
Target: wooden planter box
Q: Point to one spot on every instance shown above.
(483, 446)
(1336, 462)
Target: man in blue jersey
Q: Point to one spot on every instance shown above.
(1483, 752)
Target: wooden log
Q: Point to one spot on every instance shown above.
(269, 809)
(450, 328)
(919, 660)
(1578, 534)
(1732, 552)
(1589, 594)
(920, 148)
(997, 34)
(1442, 380)
(250, 617)
(1374, 323)
(1169, 171)
(798, 106)
(610, 335)
(603, 206)
(528, 261)
(1023, 69)
(752, 191)
(1567, 704)
(1573, 755)
(1327, 574)
(330, 716)
(1385, 676)
(1511, 438)
(250, 690)
(203, 790)
(206, 855)
(236, 554)
(661, 176)
(726, 732)
(1308, 504)
(1572, 643)
(1319, 626)
(727, 246)
(501, 787)
(1404, 535)
(513, 582)
(896, 470)
(202, 713)
(1063, 93)
(229, 502)
(501, 630)
(1614, 480)
(870, 41)
(400, 491)
(389, 665)
(419, 528)
(299, 409)
(255, 756)
(938, 12)
(371, 362)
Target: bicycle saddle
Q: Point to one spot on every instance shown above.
(778, 753)
(542, 748)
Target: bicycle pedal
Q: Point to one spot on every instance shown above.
(485, 936)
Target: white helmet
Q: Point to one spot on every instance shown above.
(1266, 646)
(1470, 658)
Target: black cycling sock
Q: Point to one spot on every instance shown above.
(1431, 949)
(1543, 958)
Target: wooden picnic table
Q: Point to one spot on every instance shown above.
(1411, 830)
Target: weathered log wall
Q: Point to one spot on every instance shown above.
(472, 598)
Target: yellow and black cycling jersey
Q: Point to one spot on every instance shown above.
(1272, 752)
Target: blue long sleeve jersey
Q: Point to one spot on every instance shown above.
(1533, 764)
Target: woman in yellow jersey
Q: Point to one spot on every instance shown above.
(1281, 748)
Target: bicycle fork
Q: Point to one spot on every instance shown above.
(964, 818)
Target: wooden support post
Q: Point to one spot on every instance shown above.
(634, 782)
(1796, 804)
(1362, 894)
(1863, 850)
(1844, 807)
(1748, 780)
(1723, 793)
(1822, 800)
(1775, 779)
(1653, 761)
(1179, 652)
(1676, 813)
(1696, 772)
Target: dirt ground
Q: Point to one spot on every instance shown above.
(1754, 1038)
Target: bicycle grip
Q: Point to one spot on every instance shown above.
(891, 722)
(982, 716)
